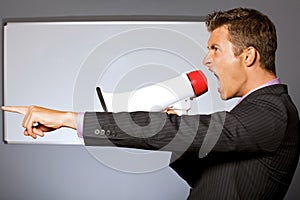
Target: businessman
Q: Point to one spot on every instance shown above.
(250, 152)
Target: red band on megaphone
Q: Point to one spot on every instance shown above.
(198, 81)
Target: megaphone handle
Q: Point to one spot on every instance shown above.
(101, 99)
(181, 107)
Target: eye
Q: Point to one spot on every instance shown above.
(213, 47)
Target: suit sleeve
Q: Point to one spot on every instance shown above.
(256, 125)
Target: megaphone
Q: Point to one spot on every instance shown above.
(174, 93)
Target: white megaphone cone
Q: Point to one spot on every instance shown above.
(157, 97)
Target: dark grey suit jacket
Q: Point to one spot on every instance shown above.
(250, 152)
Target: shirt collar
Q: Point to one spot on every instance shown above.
(272, 82)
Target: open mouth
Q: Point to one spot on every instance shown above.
(219, 83)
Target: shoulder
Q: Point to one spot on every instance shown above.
(270, 99)
(271, 94)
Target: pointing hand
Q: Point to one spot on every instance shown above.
(38, 120)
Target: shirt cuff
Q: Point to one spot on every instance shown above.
(80, 124)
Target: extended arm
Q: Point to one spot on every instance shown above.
(256, 125)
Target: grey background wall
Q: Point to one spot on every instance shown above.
(70, 172)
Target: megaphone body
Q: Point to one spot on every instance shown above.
(175, 93)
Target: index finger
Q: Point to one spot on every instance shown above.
(16, 109)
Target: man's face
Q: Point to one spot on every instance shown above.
(229, 69)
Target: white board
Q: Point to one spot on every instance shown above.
(59, 64)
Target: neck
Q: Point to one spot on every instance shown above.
(258, 79)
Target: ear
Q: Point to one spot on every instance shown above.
(251, 55)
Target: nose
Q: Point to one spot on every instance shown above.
(207, 60)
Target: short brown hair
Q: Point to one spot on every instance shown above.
(248, 27)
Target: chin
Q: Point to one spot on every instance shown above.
(225, 96)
